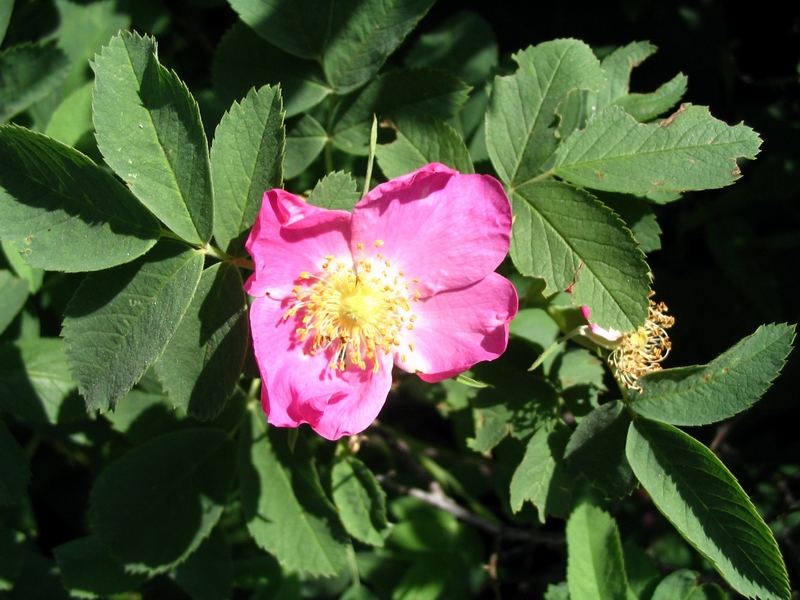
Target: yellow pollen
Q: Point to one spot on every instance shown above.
(641, 351)
(360, 246)
(351, 313)
(378, 243)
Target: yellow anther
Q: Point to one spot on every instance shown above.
(378, 243)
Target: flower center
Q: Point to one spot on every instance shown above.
(353, 312)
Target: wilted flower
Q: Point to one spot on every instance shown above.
(641, 351)
(407, 278)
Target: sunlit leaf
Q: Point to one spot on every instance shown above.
(246, 161)
(284, 506)
(595, 568)
(361, 501)
(62, 211)
(335, 191)
(36, 383)
(727, 385)
(422, 139)
(541, 477)
(565, 236)
(520, 124)
(695, 491)
(119, 321)
(14, 292)
(149, 131)
(690, 150)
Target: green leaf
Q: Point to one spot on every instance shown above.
(204, 358)
(597, 450)
(522, 108)
(727, 385)
(644, 107)
(72, 120)
(63, 212)
(541, 476)
(618, 67)
(154, 506)
(557, 592)
(84, 28)
(14, 292)
(704, 502)
(245, 60)
(33, 276)
(36, 383)
(641, 571)
(149, 131)
(464, 45)
(5, 15)
(595, 568)
(436, 93)
(246, 160)
(639, 217)
(422, 139)
(682, 585)
(362, 35)
(14, 471)
(360, 500)
(286, 510)
(28, 72)
(335, 191)
(690, 150)
(351, 39)
(208, 573)
(90, 571)
(518, 406)
(566, 237)
(304, 142)
(119, 321)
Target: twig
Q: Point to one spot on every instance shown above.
(436, 497)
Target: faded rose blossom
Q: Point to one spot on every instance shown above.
(407, 278)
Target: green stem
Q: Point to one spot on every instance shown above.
(351, 562)
(545, 175)
(245, 263)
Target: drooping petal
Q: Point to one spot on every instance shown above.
(455, 329)
(291, 236)
(446, 229)
(353, 412)
(300, 387)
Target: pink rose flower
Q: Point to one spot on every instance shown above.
(407, 278)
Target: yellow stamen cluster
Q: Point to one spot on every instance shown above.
(641, 352)
(355, 312)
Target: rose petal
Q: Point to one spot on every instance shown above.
(352, 412)
(289, 237)
(446, 229)
(458, 328)
(298, 387)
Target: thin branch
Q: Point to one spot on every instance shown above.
(436, 497)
